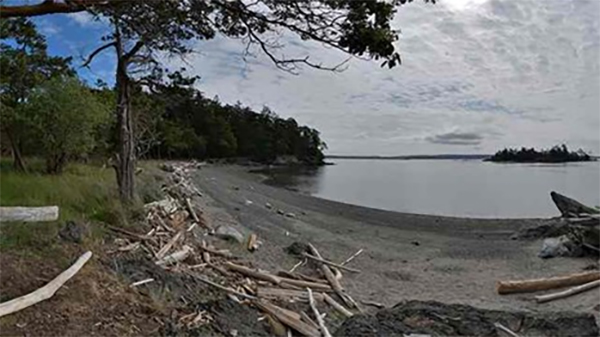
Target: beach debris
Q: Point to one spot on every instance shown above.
(505, 330)
(373, 304)
(280, 212)
(568, 292)
(320, 321)
(297, 249)
(178, 240)
(229, 233)
(333, 264)
(290, 215)
(252, 243)
(248, 202)
(29, 214)
(560, 246)
(570, 207)
(509, 287)
(139, 283)
(415, 243)
(348, 260)
(268, 205)
(46, 291)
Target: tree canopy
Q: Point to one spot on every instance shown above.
(557, 154)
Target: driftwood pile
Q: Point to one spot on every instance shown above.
(178, 242)
(583, 225)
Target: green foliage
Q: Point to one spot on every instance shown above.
(63, 114)
(193, 126)
(83, 193)
(24, 64)
(557, 154)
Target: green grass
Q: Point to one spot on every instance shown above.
(82, 192)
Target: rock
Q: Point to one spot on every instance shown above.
(297, 249)
(248, 202)
(415, 243)
(280, 212)
(167, 167)
(269, 206)
(290, 215)
(439, 319)
(74, 232)
(560, 246)
(229, 233)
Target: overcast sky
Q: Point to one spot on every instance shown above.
(477, 75)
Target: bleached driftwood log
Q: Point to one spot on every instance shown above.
(320, 321)
(29, 214)
(284, 317)
(333, 281)
(509, 287)
(333, 264)
(46, 291)
(568, 206)
(568, 292)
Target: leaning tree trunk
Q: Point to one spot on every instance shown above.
(125, 156)
(18, 163)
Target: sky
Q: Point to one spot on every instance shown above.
(476, 76)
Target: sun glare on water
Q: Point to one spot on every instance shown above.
(461, 5)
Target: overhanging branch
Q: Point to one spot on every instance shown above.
(98, 51)
(52, 7)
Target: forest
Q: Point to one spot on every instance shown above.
(48, 112)
(557, 154)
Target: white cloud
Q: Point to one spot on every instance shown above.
(513, 72)
(87, 20)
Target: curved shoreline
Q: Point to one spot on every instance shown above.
(407, 256)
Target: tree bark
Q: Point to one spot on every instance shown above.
(18, 163)
(125, 156)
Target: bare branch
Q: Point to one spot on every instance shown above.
(53, 7)
(96, 52)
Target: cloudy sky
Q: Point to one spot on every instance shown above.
(477, 75)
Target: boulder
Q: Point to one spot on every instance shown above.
(560, 246)
(74, 232)
(229, 233)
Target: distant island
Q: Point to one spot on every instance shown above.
(557, 154)
(412, 157)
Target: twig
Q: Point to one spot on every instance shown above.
(297, 265)
(335, 284)
(373, 304)
(352, 257)
(165, 249)
(505, 330)
(333, 264)
(568, 292)
(320, 321)
(139, 283)
(226, 289)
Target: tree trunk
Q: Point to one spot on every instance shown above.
(125, 163)
(18, 163)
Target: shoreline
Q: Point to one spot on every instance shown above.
(407, 256)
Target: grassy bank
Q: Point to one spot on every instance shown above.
(84, 193)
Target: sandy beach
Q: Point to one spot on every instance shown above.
(406, 256)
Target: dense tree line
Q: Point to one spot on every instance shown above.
(48, 112)
(178, 121)
(557, 154)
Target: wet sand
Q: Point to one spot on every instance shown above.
(406, 256)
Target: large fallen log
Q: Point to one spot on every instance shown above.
(568, 206)
(28, 214)
(46, 291)
(568, 292)
(509, 287)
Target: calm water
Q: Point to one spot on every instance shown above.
(469, 188)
